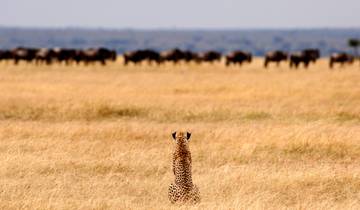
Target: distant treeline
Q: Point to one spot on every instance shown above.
(258, 42)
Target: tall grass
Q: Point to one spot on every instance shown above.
(99, 137)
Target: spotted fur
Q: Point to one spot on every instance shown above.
(183, 190)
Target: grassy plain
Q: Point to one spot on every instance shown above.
(99, 137)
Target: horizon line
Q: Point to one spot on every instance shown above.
(180, 28)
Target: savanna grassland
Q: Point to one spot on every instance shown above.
(100, 137)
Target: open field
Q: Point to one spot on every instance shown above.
(100, 137)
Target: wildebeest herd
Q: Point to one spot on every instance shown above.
(304, 57)
(102, 55)
(174, 55)
(58, 55)
(232, 58)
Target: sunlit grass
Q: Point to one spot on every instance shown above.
(99, 137)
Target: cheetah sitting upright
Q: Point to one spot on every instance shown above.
(183, 190)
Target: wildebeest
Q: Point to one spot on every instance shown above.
(341, 58)
(297, 58)
(107, 55)
(305, 56)
(209, 56)
(45, 55)
(95, 55)
(24, 54)
(66, 55)
(313, 54)
(275, 56)
(175, 55)
(134, 57)
(152, 56)
(5, 55)
(238, 57)
(191, 56)
(142, 55)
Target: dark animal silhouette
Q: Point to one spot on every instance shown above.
(174, 55)
(238, 57)
(313, 54)
(191, 56)
(275, 56)
(342, 58)
(209, 56)
(46, 56)
(23, 54)
(92, 55)
(297, 58)
(142, 55)
(66, 55)
(5, 55)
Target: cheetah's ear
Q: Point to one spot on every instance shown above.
(188, 135)
(174, 135)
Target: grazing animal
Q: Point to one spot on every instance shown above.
(191, 56)
(299, 57)
(22, 53)
(183, 190)
(142, 55)
(209, 56)
(66, 55)
(313, 54)
(275, 56)
(45, 55)
(95, 54)
(305, 56)
(238, 57)
(341, 58)
(134, 57)
(5, 55)
(174, 55)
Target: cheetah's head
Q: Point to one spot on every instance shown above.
(181, 137)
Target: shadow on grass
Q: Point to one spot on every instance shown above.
(216, 115)
(82, 112)
(257, 116)
(106, 111)
(346, 116)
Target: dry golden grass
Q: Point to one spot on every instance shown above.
(99, 137)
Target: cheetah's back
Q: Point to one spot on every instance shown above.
(182, 195)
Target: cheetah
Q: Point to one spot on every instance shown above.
(182, 190)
